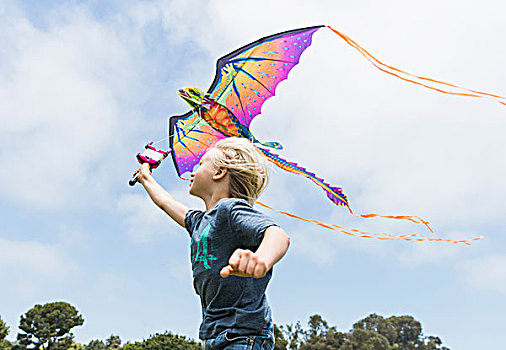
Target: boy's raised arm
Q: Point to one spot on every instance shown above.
(176, 210)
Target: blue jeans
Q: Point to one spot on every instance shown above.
(225, 341)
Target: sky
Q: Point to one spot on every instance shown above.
(84, 85)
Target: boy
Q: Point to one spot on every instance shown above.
(233, 246)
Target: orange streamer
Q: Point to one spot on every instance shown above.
(414, 219)
(388, 69)
(380, 236)
(375, 235)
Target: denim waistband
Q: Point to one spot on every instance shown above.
(269, 330)
(227, 338)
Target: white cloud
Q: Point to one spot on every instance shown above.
(61, 90)
(486, 273)
(180, 270)
(428, 253)
(314, 245)
(144, 219)
(34, 257)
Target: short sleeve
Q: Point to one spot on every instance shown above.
(192, 220)
(249, 224)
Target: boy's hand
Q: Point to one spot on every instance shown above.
(245, 263)
(143, 172)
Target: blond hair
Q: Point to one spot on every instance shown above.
(247, 167)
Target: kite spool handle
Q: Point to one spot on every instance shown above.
(152, 156)
(133, 180)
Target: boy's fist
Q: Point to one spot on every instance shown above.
(143, 172)
(245, 263)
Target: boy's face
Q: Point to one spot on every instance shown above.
(202, 179)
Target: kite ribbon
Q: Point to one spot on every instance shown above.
(357, 233)
(335, 194)
(380, 236)
(440, 84)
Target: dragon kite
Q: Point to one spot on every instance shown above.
(244, 80)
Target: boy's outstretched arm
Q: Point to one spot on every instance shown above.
(245, 263)
(176, 210)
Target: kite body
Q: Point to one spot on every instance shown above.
(219, 117)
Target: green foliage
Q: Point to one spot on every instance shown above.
(48, 326)
(76, 346)
(113, 342)
(379, 325)
(5, 344)
(371, 333)
(4, 329)
(361, 339)
(165, 341)
(281, 342)
(294, 334)
(409, 332)
(95, 344)
(320, 336)
(67, 343)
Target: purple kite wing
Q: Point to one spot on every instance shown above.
(190, 137)
(247, 77)
(244, 80)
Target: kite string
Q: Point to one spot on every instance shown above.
(378, 64)
(165, 138)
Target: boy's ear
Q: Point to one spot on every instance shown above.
(220, 173)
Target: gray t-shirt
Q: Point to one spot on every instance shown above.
(233, 304)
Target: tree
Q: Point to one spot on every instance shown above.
(165, 341)
(48, 326)
(362, 339)
(320, 336)
(371, 333)
(281, 343)
(113, 342)
(5, 344)
(4, 331)
(317, 326)
(408, 331)
(377, 323)
(95, 344)
(402, 332)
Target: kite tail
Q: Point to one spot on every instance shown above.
(335, 194)
(433, 84)
(375, 235)
(413, 219)
(417, 237)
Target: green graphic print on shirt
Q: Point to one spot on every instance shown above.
(204, 249)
